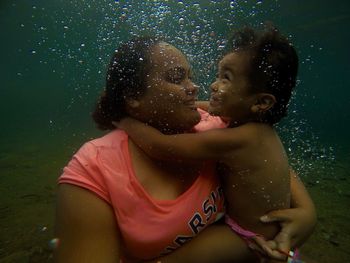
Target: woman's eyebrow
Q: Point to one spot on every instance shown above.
(190, 72)
(177, 70)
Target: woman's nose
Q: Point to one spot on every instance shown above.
(191, 89)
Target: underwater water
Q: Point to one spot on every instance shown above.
(54, 56)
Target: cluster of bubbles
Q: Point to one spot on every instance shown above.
(88, 32)
(310, 158)
(199, 29)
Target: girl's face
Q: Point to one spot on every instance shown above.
(169, 102)
(230, 97)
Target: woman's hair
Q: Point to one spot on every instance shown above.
(273, 66)
(126, 78)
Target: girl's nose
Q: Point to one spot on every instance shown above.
(214, 87)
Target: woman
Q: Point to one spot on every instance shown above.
(114, 202)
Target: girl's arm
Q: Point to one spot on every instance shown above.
(212, 144)
(85, 227)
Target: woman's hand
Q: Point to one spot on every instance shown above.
(297, 224)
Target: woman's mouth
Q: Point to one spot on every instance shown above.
(191, 104)
(214, 101)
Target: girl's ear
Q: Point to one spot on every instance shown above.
(264, 102)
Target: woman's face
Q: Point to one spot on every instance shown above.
(169, 102)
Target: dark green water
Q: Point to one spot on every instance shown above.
(53, 60)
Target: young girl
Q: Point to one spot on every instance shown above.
(251, 94)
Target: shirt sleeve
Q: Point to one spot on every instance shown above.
(84, 171)
(209, 122)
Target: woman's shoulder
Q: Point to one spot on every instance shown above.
(99, 163)
(113, 140)
(110, 140)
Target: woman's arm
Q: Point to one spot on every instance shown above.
(207, 145)
(219, 244)
(216, 244)
(85, 226)
(297, 223)
(300, 197)
(88, 232)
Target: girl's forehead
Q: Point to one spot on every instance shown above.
(235, 60)
(229, 59)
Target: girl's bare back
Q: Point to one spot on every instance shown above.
(256, 178)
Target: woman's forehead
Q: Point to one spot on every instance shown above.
(164, 56)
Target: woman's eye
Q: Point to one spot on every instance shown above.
(176, 75)
(176, 79)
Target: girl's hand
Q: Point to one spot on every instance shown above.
(123, 124)
(116, 124)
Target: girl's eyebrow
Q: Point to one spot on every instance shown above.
(226, 67)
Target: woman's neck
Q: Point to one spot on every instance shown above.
(162, 179)
(166, 129)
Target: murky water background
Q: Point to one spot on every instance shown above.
(53, 61)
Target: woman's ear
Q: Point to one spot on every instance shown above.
(264, 102)
(132, 103)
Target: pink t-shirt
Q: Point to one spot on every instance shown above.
(149, 227)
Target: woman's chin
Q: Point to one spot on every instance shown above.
(196, 117)
(188, 120)
(214, 111)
